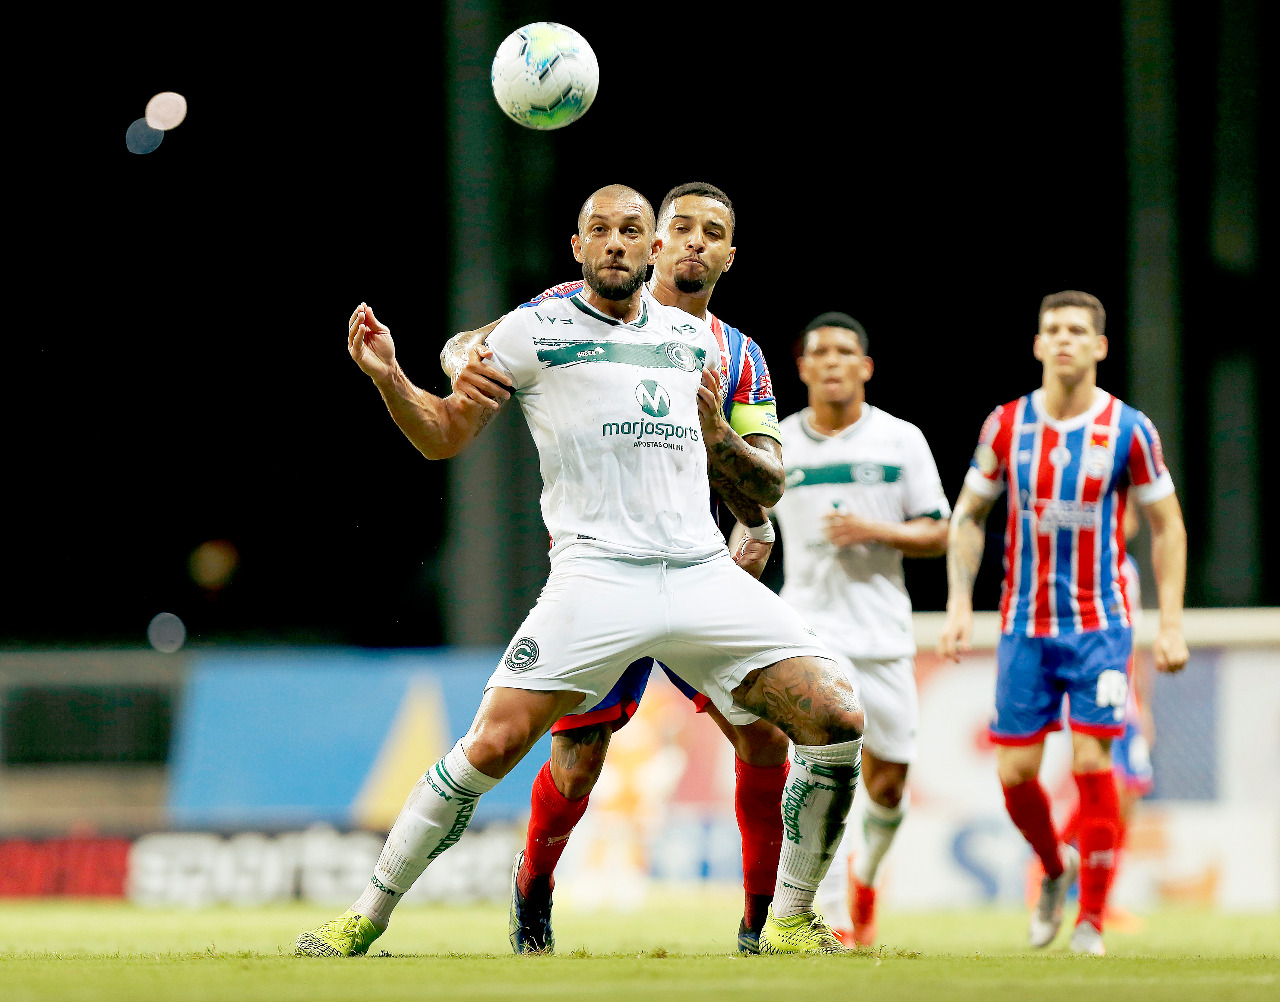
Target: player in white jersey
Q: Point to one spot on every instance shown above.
(862, 492)
(611, 386)
(696, 222)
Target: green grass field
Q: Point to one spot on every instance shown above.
(678, 946)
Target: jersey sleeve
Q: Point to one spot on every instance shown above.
(755, 419)
(991, 458)
(924, 497)
(562, 291)
(1147, 472)
(754, 383)
(513, 350)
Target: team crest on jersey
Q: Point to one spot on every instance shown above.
(522, 655)
(681, 355)
(867, 473)
(1098, 462)
(1059, 456)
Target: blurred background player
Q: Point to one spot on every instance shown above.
(697, 224)
(1066, 452)
(862, 492)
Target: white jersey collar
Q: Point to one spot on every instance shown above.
(806, 425)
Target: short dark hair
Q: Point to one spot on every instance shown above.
(836, 319)
(615, 191)
(1072, 297)
(706, 191)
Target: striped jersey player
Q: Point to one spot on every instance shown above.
(1068, 454)
(1064, 539)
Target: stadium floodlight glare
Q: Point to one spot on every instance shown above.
(166, 110)
(142, 138)
(166, 632)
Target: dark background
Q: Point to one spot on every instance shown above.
(177, 370)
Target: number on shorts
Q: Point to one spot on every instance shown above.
(1113, 690)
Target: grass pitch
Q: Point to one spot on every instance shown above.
(678, 946)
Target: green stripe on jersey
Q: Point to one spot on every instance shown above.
(843, 473)
(668, 355)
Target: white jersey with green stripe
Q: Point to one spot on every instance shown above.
(880, 467)
(612, 408)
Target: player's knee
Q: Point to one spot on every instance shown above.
(845, 724)
(496, 746)
(885, 790)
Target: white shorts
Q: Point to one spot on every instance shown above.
(887, 691)
(710, 622)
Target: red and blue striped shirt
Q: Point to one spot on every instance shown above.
(1067, 480)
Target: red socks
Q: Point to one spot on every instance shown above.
(551, 819)
(758, 802)
(1028, 806)
(1100, 827)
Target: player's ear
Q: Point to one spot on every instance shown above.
(575, 242)
(1100, 352)
(868, 367)
(654, 250)
(728, 262)
(1037, 347)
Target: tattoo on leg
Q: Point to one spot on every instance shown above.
(568, 747)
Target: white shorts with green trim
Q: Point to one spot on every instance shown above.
(710, 622)
(887, 691)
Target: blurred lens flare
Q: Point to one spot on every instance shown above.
(212, 563)
(166, 110)
(141, 138)
(166, 632)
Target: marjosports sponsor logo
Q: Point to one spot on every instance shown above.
(522, 655)
(655, 401)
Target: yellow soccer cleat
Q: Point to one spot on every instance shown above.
(803, 933)
(349, 935)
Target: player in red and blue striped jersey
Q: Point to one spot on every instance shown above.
(1067, 454)
(696, 223)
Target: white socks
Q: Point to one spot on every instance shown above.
(815, 804)
(879, 826)
(434, 817)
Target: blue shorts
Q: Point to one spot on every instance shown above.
(1034, 673)
(623, 699)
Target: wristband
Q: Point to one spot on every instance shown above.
(762, 533)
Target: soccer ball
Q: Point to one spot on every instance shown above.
(544, 76)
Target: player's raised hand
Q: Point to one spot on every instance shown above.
(370, 344)
(957, 633)
(1169, 650)
(480, 384)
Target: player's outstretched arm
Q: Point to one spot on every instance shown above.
(438, 427)
(966, 539)
(918, 537)
(454, 354)
(1169, 560)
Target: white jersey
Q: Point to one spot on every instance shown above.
(879, 467)
(612, 408)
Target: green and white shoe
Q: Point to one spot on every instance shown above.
(349, 935)
(803, 933)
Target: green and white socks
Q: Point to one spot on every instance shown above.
(434, 817)
(815, 804)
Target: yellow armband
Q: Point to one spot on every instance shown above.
(755, 419)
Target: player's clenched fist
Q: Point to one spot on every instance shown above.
(957, 633)
(479, 383)
(370, 344)
(1169, 650)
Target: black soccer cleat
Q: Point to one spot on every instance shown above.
(530, 920)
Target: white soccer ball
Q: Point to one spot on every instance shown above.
(544, 75)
